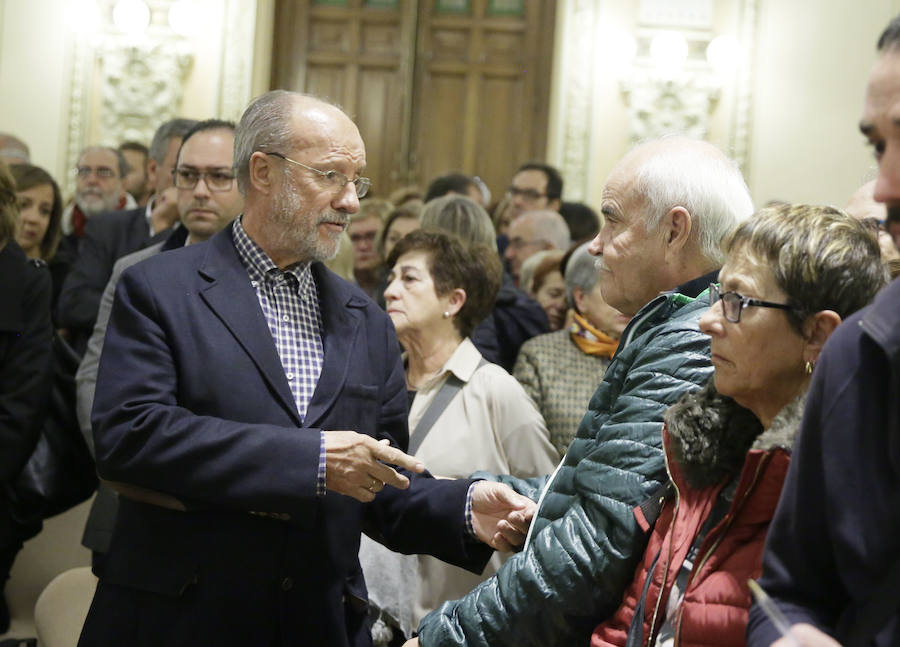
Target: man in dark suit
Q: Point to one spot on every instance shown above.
(113, 234)
(249, 406)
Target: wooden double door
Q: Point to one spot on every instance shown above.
(434, 85)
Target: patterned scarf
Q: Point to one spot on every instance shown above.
(590, 340)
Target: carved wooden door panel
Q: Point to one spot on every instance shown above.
(434, 85)
(482, 87)
(357, 53)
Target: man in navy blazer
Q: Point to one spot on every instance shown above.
(248, 405)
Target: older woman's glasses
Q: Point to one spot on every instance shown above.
(734, 303)
(334, 178)
(187, 178)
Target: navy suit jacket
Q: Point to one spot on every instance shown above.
(192, 401)
(107, 238)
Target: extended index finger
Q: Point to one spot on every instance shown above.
(393, 456)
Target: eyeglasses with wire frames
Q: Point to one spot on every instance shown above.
(335, 178)
(734, 303)
(216, 180)
(103, 172)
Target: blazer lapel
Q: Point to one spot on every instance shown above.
(231, 297)
(340, 322)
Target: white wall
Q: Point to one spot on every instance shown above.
(36, 53)
(809, 64)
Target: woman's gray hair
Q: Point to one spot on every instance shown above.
(820, 257)
(461, 216)
(713, 193)
(266, 126)
(581, 272)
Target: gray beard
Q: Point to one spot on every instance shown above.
(301, 237)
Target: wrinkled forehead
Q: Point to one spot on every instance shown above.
(99, 157)
(321, 126)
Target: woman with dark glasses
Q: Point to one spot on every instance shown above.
(791, 274)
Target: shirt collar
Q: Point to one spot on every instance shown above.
(261, 267)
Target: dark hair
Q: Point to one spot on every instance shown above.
(552, 262)
(820, 257)
(890, 37)
(452, 264)
(405, 211)
(554, 179)
(8, 207)
(450, 183)
(136, 147)
(168, 130)
(201, 126)
(582, 220)
(27, 177)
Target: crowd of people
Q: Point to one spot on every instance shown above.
(554, 427)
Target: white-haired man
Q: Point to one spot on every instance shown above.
(667, 204)
(531, 233)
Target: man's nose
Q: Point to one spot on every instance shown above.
(887, 186)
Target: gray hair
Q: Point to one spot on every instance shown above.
(890, 37)
(121, 162)
(549, 227)
(265, 124)
(708, 185)
(168, 130)
(461, 216)
(580, 272)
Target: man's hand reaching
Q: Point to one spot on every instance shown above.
(355, 465)
(501, 516)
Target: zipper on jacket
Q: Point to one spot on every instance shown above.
(729, 519)
(650, 633)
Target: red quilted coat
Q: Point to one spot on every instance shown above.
(711, 444)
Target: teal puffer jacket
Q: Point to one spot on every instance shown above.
(584, 543)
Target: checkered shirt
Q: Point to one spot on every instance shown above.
(290, 304)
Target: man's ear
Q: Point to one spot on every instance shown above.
(578, 297)
(554, 204)
(261, 172)
(676, 226)
(152, 169)
(816, 330)
(456, 301)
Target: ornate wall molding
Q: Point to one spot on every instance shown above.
(741, 120)
(237, 58)
(580, 38)
(123, 86)
(657, 106)
(141, 86)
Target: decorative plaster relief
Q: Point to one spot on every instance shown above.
(142, 86)
(657, 106)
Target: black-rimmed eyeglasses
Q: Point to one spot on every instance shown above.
(187, 178)
(334, 178)
(733, 303)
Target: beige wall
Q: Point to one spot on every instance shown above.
(810, 61)
(809, 67)
(811, 70)
(37, 47)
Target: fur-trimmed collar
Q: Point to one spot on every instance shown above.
(710, 434)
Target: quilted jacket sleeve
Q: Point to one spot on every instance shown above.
(585, 543)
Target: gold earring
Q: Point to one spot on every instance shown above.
(809, 368)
